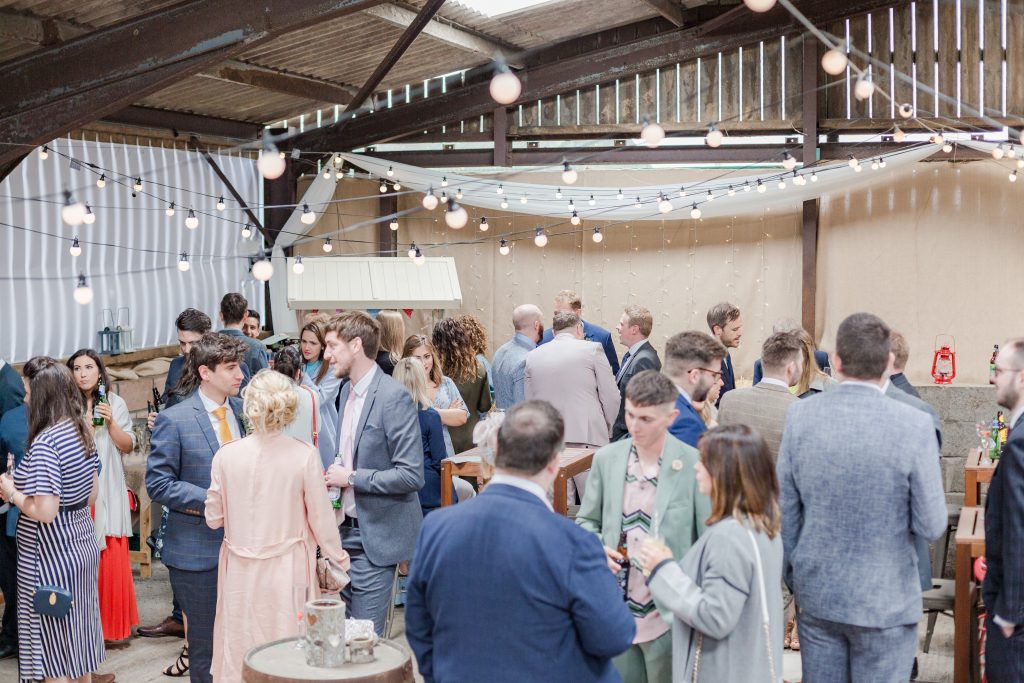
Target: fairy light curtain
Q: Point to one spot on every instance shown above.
(130, 253)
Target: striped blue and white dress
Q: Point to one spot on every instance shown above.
(62, 553)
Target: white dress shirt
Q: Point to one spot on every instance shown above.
(211, 406)
(862, 383)
(348, 431)
(524, 485)
(684, 394)
(776, 382)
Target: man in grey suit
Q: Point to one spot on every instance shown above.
(508, 371)
(634, 329)
(379, 467)
(859, 476)
(185, 438)
(764, 405)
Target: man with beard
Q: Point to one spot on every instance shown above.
(726, 325)
(379, 466)
(693, 362)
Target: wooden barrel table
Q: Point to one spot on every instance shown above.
(281, 662)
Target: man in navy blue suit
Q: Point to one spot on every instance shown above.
(692, 362)
(726, 326)
(568, 300)
(502, 588)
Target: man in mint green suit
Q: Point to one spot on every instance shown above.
(645, 485)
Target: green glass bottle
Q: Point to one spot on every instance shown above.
(101, 397)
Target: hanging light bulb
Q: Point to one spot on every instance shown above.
(308, 217)
(183, 264)
(874, 164)
(882, 162)
(682, 191)
(592, 201)
(101, 182)
(652, 134)
(947, 147)
(505, 87)
(444, 181)
(484, 227)
(569, 174)
(664, 205)
(263, 269)
(500, 190)
(458, 194)
(89, 218)
(1012, 177)
(1020, 163)
(709, 197)
(413, 249)
(714, 137)
(788, 161)
(75, 248)
(759, 5)
(270, 163)
(539, 238)
(522, 200)
(695, 212)
(191, 222)
(455, 217)
(298, 267)
(419, 259)
(798, 179)
(504, 203)
(83, 293)
(391, 171)
(782, 183)
(169, 210)
(73, 212)
(637, 205)
(761, 186)
(863, 88)
(44, 153)
(731, 191)
(1011, 152)
(572, 205)
(558, 193)
(137, 185)
(619, 195)
(246, 231)
(339, 174)
(938, 138)
(393, 224)
(814, 176)
(853, 163)
(858, 168)
(429, 200)
(220, 204)
(327, 174)
(597, 236)
(444, 198)
(997, 152)
(746, 187)
(575, 219)
(898, 135)
(383, 187)
(397, 186)
(503, 248)
(834, 62)
(905, 110)
(328, 246)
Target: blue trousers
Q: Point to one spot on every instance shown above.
(197, 593)
(1004, 657)
(368, 595)
(842, 653)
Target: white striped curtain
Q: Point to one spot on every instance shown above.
(129, 255)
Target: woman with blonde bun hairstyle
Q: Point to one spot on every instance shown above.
(267, 491)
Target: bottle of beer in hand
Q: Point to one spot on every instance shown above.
(334, 492)
(623, 575)
(101, 397)
(992, 365)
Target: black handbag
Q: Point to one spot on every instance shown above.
(52, 601)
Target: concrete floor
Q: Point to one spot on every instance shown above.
(145, 659)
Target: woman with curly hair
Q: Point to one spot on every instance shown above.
(478, 337)
(457, 353)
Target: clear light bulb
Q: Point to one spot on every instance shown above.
(619, 195)
(637, 204)
(814, 176)
(664, 205)
(695, 212)
(505, 87)
(391, 171)
(504, 203)
(169, 210)
(429, 200)
(72, 212)
(397, 186)
(503, 248)
(597, 236)
(759, 5)
(997, 152)
(714, 137)
(263, 270)
(539, 238)
(444, 181)
(834, 62)
(191, 222)
(83, 293)
(761, 187)
(1011, 152)
(298, 267)
(788, 161)
(455, 217)
(947, 148)
(44, 153)
(75, 248)
(484, 225)
(1013, 176)
(308, 217)
(412, 251)
(183, 264)
(558, 193)
(89, 218)
(137, 185)
(419, 259)
(569, 174)
(458, 193)
(522, 200)
(864, 88)
(220, 204)
(270, 163)
(327, 174)
(383, 188)
(591, 201)
(853, 163)
(874, 164)
(101, 182)
(652, 134)
(732, 191)
(246, 231)
(500, 190)
(746, 187)
(328, 245)
(782, 183)
(393, 224)
(575, 218)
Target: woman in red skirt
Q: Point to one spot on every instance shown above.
(114, 438)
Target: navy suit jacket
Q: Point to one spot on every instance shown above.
(173, 375)
(1003, 589)
(688, 426)
(434, 452)
(597, 334)
(13, 441)
(728, 378)
(178, 476)
(543, 579)
(12, 390)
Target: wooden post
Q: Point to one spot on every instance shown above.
(501, 147)
(809, 227)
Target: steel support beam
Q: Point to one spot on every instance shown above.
(58, 88)
(809, 226)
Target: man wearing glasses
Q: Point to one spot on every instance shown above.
(693, 362)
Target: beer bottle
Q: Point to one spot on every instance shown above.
(992, 365)
(623, 575)
(101, 397)
(1004, 431)
(995, 434)
(334, 492)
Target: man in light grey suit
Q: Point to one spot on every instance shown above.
(508, 371)
(379, 466)
(859, 476)
(764, 405)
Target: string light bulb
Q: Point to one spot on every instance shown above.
(637, 204)
(429, 200)
(898, 135)
(500, 190)
(759, 5)
(1011, 152)
(328, 245)
(874, 164)
(939, 138)
(572, 205)
(522, 200)
(882, 162)
(569, 174)
(504, 203)
(391, 171)
(788, 161)
(383, 187)
(484, 226)
(782, 183)
(455, 217)
(761, 187)
(505, 86)
(597, 236)
(503, 248)
(714, 137)
(397, 186)
(393, 224)
(72, 212)
(905, 110)
(746, 187)
(169, 210)
(263, 269)
(798, 179)
(191, 222)
(539, 237)
(137, 185)
(458, 194)
(652, 134)
(183, 264)
(444, 181)
(575, 218)
(853, 163)
(101, 182)
(558, 193)
(246, 231)
(89, 218)
(814, 176)
(419, 259)
(664, 205)
(75, 248)
(270, 163)
(298, 267)
(834, 62)
(1020, 163)
(731, 192)
(997, 152)
(413, 249)
(709, 197)
(619, 195)
(308, 217)
(947, 147)
(44, 153)
(864, 88)
(83, 292)
(220, 204)
(1012, 177)
(327, 174)
(591, 201)
(695, 212)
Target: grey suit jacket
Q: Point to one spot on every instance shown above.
(388, 460)
(646, 358)
(894, 392)
(178, 475)
(575, 377)
(859, 476)
(508, 371)
(762, 407)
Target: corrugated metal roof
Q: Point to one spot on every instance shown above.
(370, 282)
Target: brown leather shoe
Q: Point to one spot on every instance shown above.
(103, 678)
(167, 627)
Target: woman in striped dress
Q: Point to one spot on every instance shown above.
(53, 487)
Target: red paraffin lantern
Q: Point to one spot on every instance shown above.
(944, 361)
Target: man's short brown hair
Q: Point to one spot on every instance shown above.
(564, 320)
(779, 349)
(899, 347)
(691, 349)
(192, 320)
(721, 315)
(352, 324)
(640, 317)
(862, 344)
(233, 307)
(650, 388)
(570, 297)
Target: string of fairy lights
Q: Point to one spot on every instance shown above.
(505, 88)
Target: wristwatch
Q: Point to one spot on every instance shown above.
(351, 479)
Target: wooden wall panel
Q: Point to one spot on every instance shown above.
(858, 41)
(793, 94)
(1015, 60)
(648, 96)
(773, 65)
(969, 58)
(948, 66)
(993, 61)
(749, 82)
(667, 94)
(925, 59)
(588, 112)
(707, 107)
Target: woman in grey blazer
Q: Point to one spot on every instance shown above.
(727, 598)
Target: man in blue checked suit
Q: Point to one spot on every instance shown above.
(568, 300)
(692, 362)
(185, 439)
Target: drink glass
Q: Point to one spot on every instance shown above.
(300, 596)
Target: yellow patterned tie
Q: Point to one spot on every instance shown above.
(223, 427)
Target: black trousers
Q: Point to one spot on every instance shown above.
(8, 584)
(1004, 657)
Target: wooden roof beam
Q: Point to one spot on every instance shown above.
(274, 80)
(670, 9)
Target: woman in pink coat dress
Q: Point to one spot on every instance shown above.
(267, 490)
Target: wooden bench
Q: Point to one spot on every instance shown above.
(970, 543)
